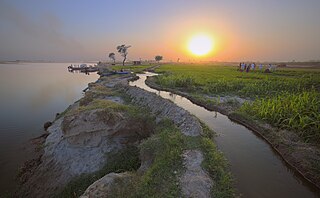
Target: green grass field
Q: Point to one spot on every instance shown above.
(224, 80)
(287, 98)
(133, 68)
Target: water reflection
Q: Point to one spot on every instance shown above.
(31, 94)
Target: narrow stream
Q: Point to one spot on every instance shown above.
(257, 169)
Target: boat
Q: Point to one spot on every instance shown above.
(83, 68)
(122, 72)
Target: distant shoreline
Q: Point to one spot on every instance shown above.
(39, 61)
(302, 64)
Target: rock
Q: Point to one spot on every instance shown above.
(47, 125)
(106, 185)
(195, 182)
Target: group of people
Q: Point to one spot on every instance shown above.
(246, 67)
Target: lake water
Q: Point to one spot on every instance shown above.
(31, 94)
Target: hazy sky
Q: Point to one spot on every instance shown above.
(280, 30)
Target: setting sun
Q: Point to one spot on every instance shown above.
(200, 45)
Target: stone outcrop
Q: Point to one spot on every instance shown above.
(47, 125)
(106, 185)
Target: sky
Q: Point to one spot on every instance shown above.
(257, 30)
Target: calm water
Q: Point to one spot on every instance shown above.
(258, 171)
(31, 94)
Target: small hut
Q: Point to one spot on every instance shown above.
(136, 62)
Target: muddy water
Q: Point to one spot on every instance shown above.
(257, 169)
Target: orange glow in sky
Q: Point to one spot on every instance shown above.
(240, 30)
(200, 44)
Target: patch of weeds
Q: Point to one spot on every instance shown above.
(88, 97)
(316, 166)
(65, 112)
(207, 132)
(216, 165)
(142, 118)
(233, 102)
(202, 99)
(120, 161)
(104, 104)
(161, 179)
(96, 91)
(192, 142)
(136, 68)
(125, 97)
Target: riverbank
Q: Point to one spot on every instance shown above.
(120, 140)
(302, 156)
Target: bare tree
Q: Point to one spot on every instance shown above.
(158, 58)
(123, 50)
(112, 56)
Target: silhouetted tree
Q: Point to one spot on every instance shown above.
(123, 50)
(158, 58)
(112, 56)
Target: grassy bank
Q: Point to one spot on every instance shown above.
(163, 147)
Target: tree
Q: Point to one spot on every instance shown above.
(123, 50)
(112, 56)
(158, 58)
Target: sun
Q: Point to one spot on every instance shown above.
(200, 44)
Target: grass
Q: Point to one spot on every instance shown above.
(215, 164)
(166, 147)
(226, 80)
(104, 104)
(161, 179)
(287, 98)
(294, 111)
(96, 91)
(136, 68)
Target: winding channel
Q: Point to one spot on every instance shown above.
(257, 169)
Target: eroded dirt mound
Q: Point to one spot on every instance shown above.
(78, 144)
(107, 184)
